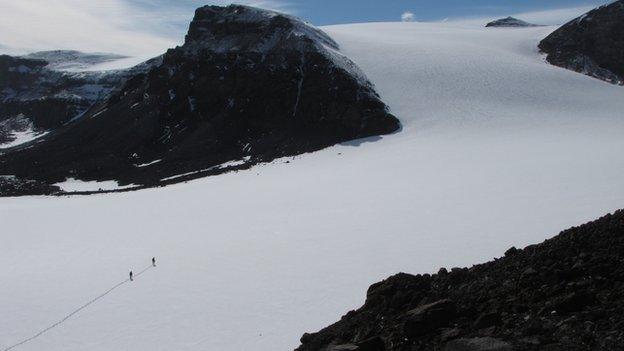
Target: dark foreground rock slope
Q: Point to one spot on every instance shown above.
(248, 85)
(592, 44)
(510, 22)
(564, 294)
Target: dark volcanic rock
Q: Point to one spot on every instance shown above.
(427, 318)
(11, 186)
(478, 344)
(36, 97)
(518, 302)
(510, 22)
(247, 84)
(33, 97)
(592, 44)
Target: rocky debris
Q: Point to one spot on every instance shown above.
(564, 294)
(11, 186)
(478, 344)
(592, 44)
(247, 86)
(426, 318)
(510, 22)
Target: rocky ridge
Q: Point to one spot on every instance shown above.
(510, 22)
(564, 294)
(592, 44)
(38, 96)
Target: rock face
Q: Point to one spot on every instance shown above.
(592, 44)
(564, 294)
(33, 97)
(510, 22)
(248, 85)
(37, 97)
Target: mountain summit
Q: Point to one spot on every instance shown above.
(510, 22)
(247, 86)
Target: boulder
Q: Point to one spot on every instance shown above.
(429, 317)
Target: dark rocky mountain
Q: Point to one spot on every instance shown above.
(36, 97)
(248, 85)
(564, 294)
(510, 22)
(592, 44)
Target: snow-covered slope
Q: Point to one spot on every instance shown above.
(498, 148)
(74, 61)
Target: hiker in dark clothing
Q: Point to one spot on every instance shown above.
(131, 279)
(153, 261)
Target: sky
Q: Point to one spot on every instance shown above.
(148, 27)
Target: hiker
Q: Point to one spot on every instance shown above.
(131, 276)
(153, 261)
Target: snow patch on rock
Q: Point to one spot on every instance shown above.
(18, 130)
(72, 185)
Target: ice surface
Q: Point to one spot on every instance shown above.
(75, 61)
(22, 137)
(228, 164)
(77, 185)
(148, 163)
(498, 148)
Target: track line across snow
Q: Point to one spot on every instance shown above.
(74, 312)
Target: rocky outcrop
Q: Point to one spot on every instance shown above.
(592, 44)
(36, 96)
(564, 294)
(510, 22)
(248, 85)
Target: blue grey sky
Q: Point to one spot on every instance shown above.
(148, 27)
(326, 12)
(323, 12)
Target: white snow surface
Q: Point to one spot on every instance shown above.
(498, 149)
(71, 185)
(148, 163)
(22, 137)
(74, 61)
(121, 64)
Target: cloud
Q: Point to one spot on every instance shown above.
(407, 17)
(554, 17)
(130, 27)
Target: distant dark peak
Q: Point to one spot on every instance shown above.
(592, 44)
(67, 54)
(71, 59)
(44, 91)
(238, 28)
(510, 22)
